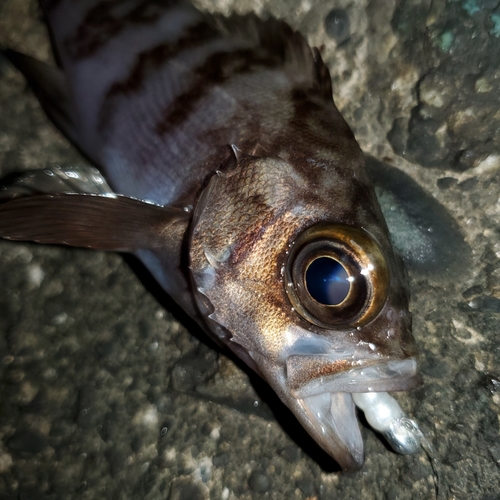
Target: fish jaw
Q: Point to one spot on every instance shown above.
(323, 403)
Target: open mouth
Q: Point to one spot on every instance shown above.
(326, 405)
(308, 377)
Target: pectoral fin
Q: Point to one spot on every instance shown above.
(92, 221)
(74, 205)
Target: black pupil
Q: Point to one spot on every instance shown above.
(327, 281)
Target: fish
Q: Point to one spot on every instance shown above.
(223, 164)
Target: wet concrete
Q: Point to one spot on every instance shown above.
(106, 389)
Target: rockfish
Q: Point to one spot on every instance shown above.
(225, 167)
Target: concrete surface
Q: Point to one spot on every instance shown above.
(105, 394)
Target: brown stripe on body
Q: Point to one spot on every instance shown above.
(102, 23)
(148, 62)
(216, 70)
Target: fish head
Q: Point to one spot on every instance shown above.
(294, 271)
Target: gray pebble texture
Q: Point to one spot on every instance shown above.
(107, 391)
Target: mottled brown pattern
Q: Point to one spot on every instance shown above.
(318, 132)
(248, 205)
(100, 25)
(319, 123)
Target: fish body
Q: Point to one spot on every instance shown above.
(235, 179)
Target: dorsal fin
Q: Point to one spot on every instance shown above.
(302, 63)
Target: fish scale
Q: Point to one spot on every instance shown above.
(230, 172)
(179, 87)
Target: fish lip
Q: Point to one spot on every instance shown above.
(365, 375)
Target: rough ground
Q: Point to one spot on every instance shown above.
(105, 394)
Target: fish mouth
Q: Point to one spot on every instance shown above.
(325, 407)
(311, 375)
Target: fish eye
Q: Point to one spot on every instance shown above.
(336, 276)
(327, 281)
